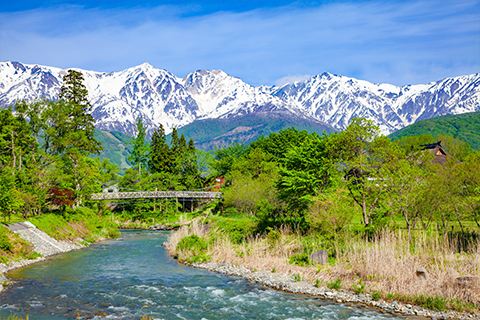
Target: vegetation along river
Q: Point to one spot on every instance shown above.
(135, 277)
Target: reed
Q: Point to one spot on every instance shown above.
(384, 266)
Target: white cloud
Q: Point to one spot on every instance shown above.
(291, 79)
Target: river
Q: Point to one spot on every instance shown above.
(135, 277)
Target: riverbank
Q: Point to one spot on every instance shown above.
(384, 269)
(42, 243)
(292, 284)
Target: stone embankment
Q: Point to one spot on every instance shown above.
(42, 243)
(289, 283)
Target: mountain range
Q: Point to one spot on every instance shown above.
(326, 101)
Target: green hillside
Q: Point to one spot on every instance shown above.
(464, 126)
(209, 134)
(115, 147)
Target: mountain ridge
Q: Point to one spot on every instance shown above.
(158, 96)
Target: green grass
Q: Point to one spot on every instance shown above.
(237, 228)
(14, 248)
(79, 223)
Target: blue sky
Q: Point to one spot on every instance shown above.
(261, 42)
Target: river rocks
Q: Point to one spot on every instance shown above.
(320, 256)
(288, 283)
(466, 281)
(422, 273)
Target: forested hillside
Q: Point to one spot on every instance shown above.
(116, 147)
(465, 127)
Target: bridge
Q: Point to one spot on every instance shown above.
(156, 195)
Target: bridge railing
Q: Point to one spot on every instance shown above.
(156, 195)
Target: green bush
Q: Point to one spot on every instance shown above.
(5, 244)
(376, 295)
(237, 229)
(300, 259)
(433, 303)
(193, 244)
(337, 284)
(359, 287)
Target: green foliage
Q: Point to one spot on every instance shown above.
(465, 127)
(5, 244)
(297, 277)
(160, 157)
(224, 158)
(12, 247)
(237, 228)
(278, 144)
(359, 287)
(253, 183)
(432, 303)
(79, 223)
(331, 212)
(337, 284)
(139, 155)
(195, 247)
(300, 259)
(308, 170)
(192, 243)
(211, 134)
(376, 295)
(273, 237)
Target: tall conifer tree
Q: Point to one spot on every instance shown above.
(159, 152)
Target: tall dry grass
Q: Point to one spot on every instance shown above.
(386, 264)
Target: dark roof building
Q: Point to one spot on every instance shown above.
(436, 149)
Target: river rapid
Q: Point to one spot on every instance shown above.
(135, 277)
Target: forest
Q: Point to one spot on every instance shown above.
(285, 195)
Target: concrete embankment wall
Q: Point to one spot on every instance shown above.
(42, 243)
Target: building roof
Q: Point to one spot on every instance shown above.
(436, 149)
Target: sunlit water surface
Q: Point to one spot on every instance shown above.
(136, 277)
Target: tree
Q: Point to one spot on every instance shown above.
(407, 182)
(139, 155)
(72, 132)
(73, 90)
(278, 144)
(308, 170)
(224, 158)
(159, 152)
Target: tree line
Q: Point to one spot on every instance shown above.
(324, 183)
(48, 155)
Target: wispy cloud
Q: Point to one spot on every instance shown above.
(394, 42)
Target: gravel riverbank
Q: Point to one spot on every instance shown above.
(288, 283)
(42, 243)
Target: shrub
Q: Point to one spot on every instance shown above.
(5, 244)
(359, 287)
(300, 259)
(376, 295)
(192, 243)
(337, 284)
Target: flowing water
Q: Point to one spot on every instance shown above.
(136, 278)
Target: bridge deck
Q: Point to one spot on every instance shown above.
(156, 195)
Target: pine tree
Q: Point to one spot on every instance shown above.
(159, 152)
(140, 148)
(76, 126)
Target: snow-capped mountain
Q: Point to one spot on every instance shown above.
(157, 96)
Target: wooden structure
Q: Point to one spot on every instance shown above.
(436, 149)
(156, 195)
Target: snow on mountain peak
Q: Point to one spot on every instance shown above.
(158, 96)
